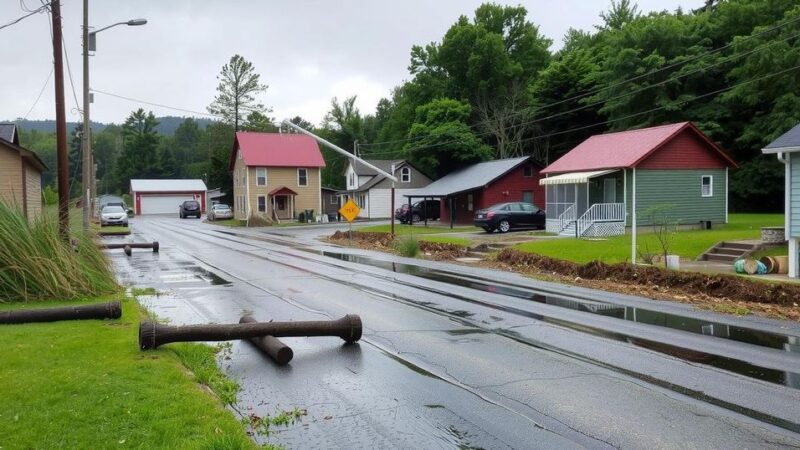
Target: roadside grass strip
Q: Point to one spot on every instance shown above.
(86, 384)
(112, 230)
(686, 243)
(401, 229)
(447, 240)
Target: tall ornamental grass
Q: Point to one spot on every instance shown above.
(36, 264)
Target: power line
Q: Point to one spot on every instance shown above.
(144, 102)
(718, 91)
(69, 73)
(18, 20)
(40, 94)
(619, 83)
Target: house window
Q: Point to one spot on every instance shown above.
(261, 176)
(707, 186)
(470, 202)
(361, 200)
(405, 175)
(302, 177)
(527, 171)
(352, 180)
(333, 199)
(527, 196)
(262, 203)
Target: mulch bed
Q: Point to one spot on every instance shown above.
(385, 242)
(691, 283)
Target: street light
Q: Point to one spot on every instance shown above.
(89, 44)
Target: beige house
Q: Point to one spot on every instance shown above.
(20, 174)
(276, 176)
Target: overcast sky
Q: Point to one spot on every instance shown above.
(307, 51)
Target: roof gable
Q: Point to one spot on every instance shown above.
(276, 150)
(8, 132)
(26, 155)
(627, 149)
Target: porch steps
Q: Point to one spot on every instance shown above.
(728, 251)
(569, 230)
(482, 251)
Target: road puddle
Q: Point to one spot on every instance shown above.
(613, 310)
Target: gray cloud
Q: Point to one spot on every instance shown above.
(306, 51)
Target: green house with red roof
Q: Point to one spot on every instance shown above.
(607, 182)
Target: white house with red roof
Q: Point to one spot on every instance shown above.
(275, 175)
(610, 181)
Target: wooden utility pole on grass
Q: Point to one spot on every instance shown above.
(61, 124)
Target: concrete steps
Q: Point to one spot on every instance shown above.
(728, 251)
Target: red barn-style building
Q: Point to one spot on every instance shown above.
(481, 185)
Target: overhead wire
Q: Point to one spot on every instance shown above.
(46, 81)
(619, 83)
(31, 13)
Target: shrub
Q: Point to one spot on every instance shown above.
(36, 263)
(407, 246)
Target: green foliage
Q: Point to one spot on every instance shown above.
(238, 85)
(36, 263)
(407, 246)
(139, 158)
(49, 195)
(443, 141)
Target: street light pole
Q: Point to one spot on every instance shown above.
(86, 138)
(86, 134)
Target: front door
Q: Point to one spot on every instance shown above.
(282, 206)
(609, 190)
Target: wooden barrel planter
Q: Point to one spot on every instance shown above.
(783, 264)
(770, 263)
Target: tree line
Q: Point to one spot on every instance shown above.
(492, 88)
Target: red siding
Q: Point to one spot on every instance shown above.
(508, 188)
(684, 151)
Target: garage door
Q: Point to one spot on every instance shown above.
(162, 204)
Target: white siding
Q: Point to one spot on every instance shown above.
(794, 193)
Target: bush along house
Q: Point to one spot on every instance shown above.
(610, 181)
(787, 149)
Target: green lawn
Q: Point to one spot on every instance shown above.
(228, 222)
(111, 230)
(781, 250)
(86, 384)
(401, 229)
(688, 244)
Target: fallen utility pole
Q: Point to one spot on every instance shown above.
(272, 346)
(154, 245)
(109, 310)
(152, 335)
(61, 124)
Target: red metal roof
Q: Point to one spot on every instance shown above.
(277, 150)
(283, 190)
(625, 149)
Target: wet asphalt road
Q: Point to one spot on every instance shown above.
(460, 357)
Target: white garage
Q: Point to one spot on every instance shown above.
(164, 196)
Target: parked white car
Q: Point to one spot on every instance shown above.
(113, 215)
(220, 211)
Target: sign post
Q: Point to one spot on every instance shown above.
(350, 211)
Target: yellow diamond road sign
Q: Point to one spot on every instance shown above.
(350, 210)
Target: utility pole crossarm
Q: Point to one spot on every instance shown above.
(338, 149)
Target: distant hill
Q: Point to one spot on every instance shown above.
(166, 125)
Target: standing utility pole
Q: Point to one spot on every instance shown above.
(86, 134)
(61, 124)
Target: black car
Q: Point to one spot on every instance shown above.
(505, 216)
(425, 209)
(189, 208)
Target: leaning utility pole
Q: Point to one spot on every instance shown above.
(61, 124)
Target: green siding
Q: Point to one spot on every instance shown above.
(681, 189)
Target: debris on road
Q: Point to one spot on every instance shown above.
(272, 346)
(109, 310)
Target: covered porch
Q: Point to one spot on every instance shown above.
(586, 203)
(282, 201)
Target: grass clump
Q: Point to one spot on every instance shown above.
(36, 263)
(407, 246)
(400, 229)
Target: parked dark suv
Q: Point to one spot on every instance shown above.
(425, 209)
(189, 208)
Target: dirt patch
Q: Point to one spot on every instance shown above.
(717, 292)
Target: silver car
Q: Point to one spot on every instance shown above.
(220, 211)
(113, 215)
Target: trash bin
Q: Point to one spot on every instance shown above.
(301, 217)
(309, 215)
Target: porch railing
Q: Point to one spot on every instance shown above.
(566, 218)
(600, 212)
